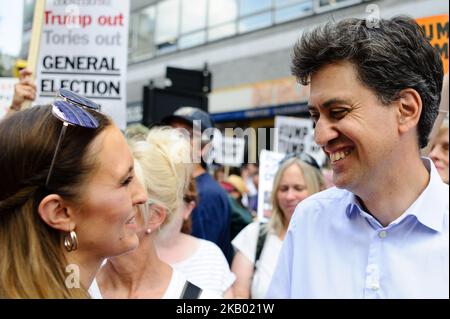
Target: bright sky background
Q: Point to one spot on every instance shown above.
(11, 12)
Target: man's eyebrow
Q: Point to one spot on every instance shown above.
(329, 103)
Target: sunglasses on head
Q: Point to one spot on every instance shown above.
(71, 109)
(305, 157)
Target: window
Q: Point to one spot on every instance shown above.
(327, 5)
(192, 39)
(167, 22)
(295, 11)
(193, 15)
(132, 34)
(170, 25)
(247, 7)
(283, 3)
(255, 22)
(145, 31)
(324, 3)
(225, 30)
(141, 33)
(221, 11)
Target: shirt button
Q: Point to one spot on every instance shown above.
(371, 268)
(382, 234)
(375, 287)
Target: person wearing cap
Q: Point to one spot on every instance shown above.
(240, 216)
(211, 219)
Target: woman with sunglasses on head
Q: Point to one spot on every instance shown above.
(68, 198)
(162, 164)
(258, 245)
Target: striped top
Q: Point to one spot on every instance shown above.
(207, 268)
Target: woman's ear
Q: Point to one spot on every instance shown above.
(55, 213)
(409, 110)
(187, 209)
(157, 216)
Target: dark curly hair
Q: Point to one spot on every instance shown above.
(390, 57)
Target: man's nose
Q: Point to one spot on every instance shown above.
(324, 132)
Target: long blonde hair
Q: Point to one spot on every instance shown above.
(314, 183)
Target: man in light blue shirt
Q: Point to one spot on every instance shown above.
(384, 231)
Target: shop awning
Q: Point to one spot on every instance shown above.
(262, 112)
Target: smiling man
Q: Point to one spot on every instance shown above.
(383, 232)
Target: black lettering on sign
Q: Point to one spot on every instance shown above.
(81, 63)
(442, 50)
(442, 30)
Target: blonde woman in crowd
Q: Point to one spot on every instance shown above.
(190, 200)
(68, 198)
(294, 181)
(438, 144)
(161, 164)
(201, 261)
(439, 152)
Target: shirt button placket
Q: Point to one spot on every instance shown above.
(382, 234)
(372, 284)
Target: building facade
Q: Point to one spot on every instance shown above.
(246, 45)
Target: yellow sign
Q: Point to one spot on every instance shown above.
(436, 30)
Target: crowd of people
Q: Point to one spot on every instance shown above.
(88, 211)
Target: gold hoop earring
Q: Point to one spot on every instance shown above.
(71, 241)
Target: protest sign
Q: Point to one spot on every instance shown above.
(228, 150)
(268, 166)
(84, 49)
(6, 94)
(296, 135)
(436, 29)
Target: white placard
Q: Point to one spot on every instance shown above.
(228, 150)
(294, 134)
(84, 49)
(268, 165)
(6, 94)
